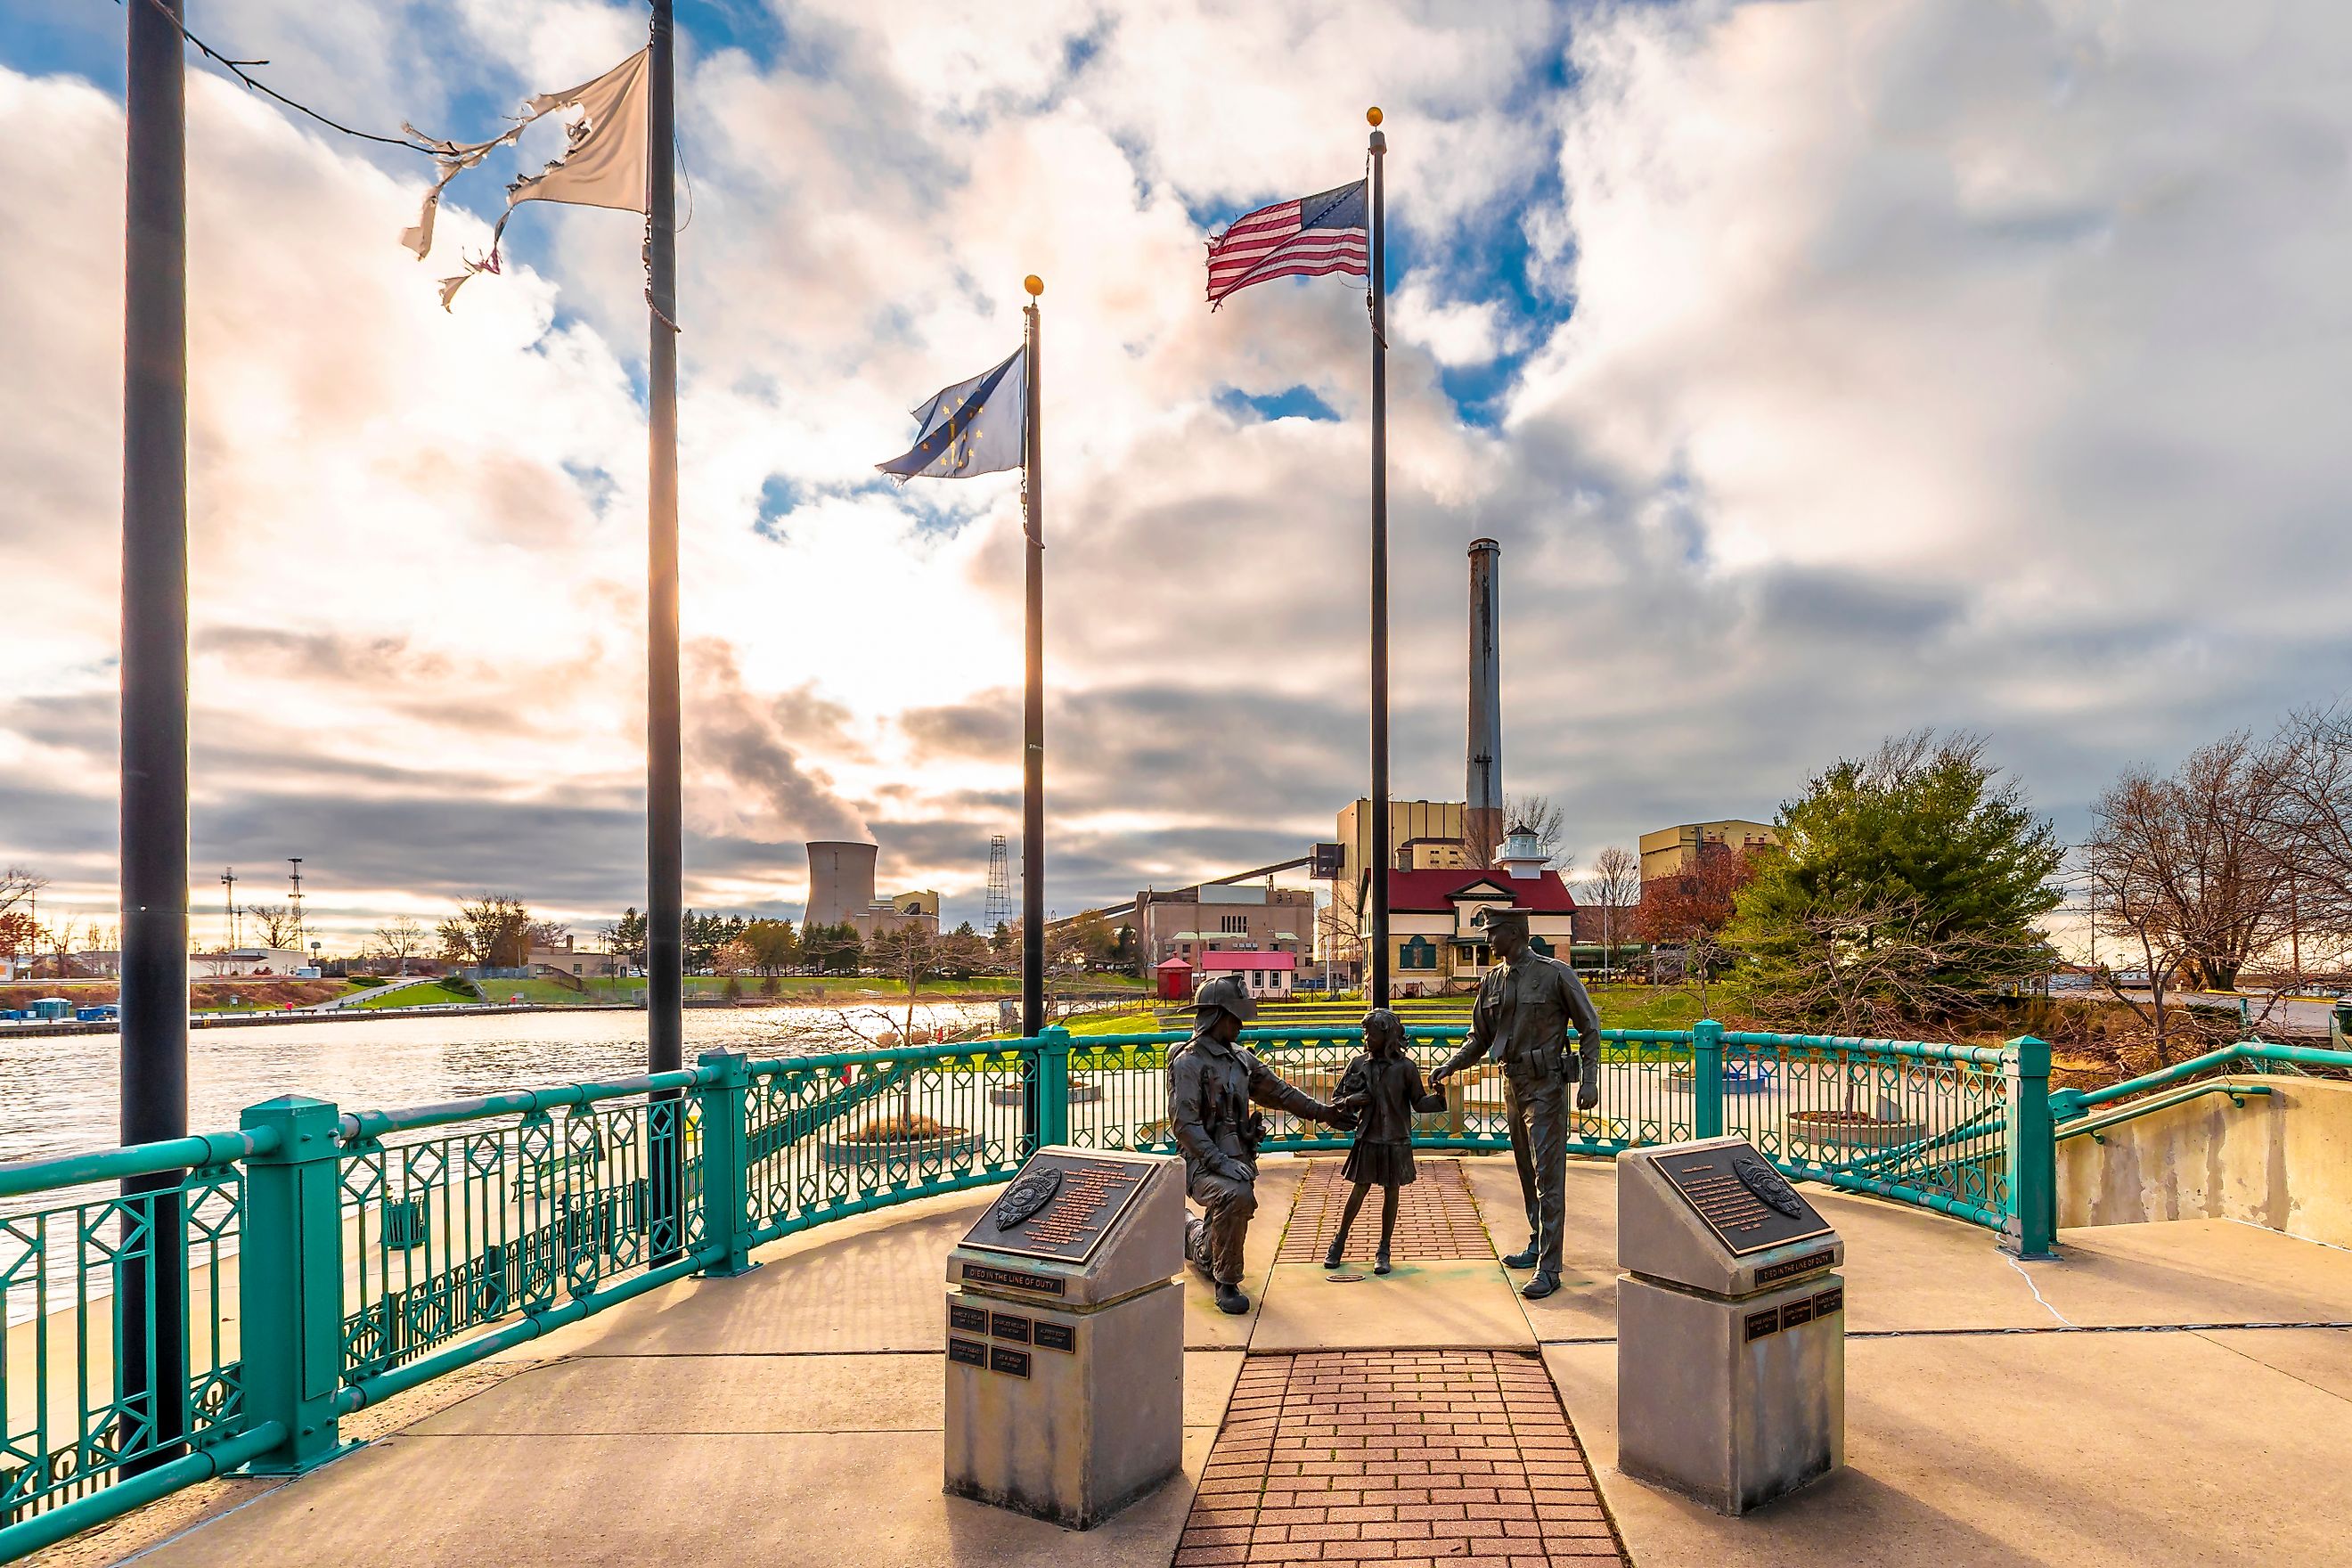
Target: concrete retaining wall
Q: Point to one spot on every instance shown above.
(2283, 1160)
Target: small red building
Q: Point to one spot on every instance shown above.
(1175, 981)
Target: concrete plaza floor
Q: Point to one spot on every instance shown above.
(2135, 1411)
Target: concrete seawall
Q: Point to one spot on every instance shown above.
(2282, 1159)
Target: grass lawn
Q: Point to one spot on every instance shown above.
(431, 995)
(1661, 1007)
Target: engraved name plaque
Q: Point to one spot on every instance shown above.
(1748, 1210)
(970, 1319)
(970, 1352)
(1060, 1208)
(1012, 1278)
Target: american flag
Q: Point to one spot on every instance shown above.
(1303, 239)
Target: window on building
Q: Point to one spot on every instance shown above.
(1537, 944)
(1418, 952)
(1239, 923)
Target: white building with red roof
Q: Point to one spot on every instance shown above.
(1265, 973)
(1435, 942)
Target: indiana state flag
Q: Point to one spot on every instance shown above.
(976, 427)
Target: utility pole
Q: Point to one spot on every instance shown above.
(228, 898)
(1033, 699)
(151, 1294)
(664, 803)
(295, 900)
(665, 788)
(1384, 853)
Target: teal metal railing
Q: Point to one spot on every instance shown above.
(2252, 1056)
(331, 1261)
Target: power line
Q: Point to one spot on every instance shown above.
(237, 68)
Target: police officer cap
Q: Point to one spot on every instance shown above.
(1226, 993)
(1494, 915)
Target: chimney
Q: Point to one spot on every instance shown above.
(1482, 816)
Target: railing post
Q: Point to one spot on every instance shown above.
(2031, 1229)
(1706, 1079)
(1053, 1086)
(290, 1269)
(725, 1095)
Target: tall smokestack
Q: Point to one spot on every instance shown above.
(1482, 818)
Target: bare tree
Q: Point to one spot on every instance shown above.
(493, 931)
(917, 951)
(1538, 815)
(1689, 910)
(2194, 872)
(1614, 887)
(1866, 965)
(1339, 927)
(17, 885)
(397, 941)
(2312, 812)
(281, 924)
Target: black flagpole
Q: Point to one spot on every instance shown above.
(150, 1301)
(665, 809)
(1378, 859)
(1033, 704)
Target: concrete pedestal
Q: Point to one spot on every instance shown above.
(1065, 1339)
(1729, 1420)
(1730, 1326)
(1087, 1429)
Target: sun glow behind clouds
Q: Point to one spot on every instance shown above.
(1823, 369)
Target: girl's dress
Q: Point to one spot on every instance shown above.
(1393, 1092)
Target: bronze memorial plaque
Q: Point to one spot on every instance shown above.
(1060, 1207)
(1748, 1204)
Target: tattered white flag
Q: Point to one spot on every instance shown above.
(603, 166)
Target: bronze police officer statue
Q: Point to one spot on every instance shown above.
(1521, 1016)
(1210, 1083)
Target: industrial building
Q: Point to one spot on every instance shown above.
(1671, 851)
(841, 892)
(1218, 917)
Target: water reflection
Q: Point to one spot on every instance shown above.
(57, 1095)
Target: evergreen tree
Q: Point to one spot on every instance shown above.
(1906, 889)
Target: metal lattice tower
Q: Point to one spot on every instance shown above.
(999, 910)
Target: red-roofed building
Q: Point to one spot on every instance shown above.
(1435, 942)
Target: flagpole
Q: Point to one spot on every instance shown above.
(664, 810)
(151, 1315)
(1381, 851)
(1033, 702)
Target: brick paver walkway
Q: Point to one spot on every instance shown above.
(1404, 1457)
(1437, 1221)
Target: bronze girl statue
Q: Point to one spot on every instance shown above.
(1382, 1087)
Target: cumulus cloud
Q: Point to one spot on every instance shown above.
(1833, 368)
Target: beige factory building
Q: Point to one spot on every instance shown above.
(1671, 851)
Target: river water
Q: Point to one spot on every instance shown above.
(57, 1095)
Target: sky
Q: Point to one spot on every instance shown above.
(1824, 370)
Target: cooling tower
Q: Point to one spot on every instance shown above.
(1482, 816)
(840, 881)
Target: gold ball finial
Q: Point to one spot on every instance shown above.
(1372, 116)
(1034, 284)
